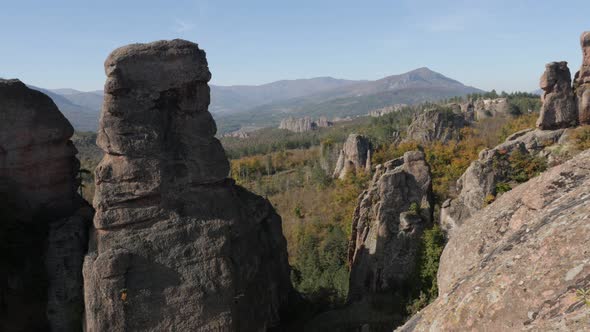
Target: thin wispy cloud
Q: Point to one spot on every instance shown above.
(181, 26)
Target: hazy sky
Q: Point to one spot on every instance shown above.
(487, 44)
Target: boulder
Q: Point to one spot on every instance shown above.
(435, 125)
(520, 264)
(353, 156)
(582, 81)
(177, 245)
(387, 225)
(559, 108)
(43, 220)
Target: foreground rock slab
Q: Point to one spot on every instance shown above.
(522, 263)
(177, 246)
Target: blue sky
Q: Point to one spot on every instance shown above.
(488, 44)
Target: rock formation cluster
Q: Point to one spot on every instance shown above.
(354, 156)
(435, 125)
(43, 221)
(177, 245)
(304, 124)
(387, 225)
(520, 264)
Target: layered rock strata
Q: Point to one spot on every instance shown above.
(177, 245)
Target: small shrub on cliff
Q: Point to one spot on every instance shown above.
(432, 244)
(503, 187)
(524, 166)
(414, 208)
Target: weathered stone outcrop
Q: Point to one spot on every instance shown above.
(520, 264)
(355, 155)
(387, 224)
(480, 180)
(43, 221)
(487, 108)
(559, 108)
(177, 246)
(582, 81)
(435, 125)
(304, 124)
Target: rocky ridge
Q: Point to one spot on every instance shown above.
(214, 252)
(304, 124)
(520, 263)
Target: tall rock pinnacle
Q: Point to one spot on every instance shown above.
(177, 245)
(582, 81)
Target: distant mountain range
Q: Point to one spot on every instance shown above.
(350, 99)
(265, 105)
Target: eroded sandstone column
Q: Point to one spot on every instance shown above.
(582, 81)
(387, 225)
(178, 247)
(559, 108)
